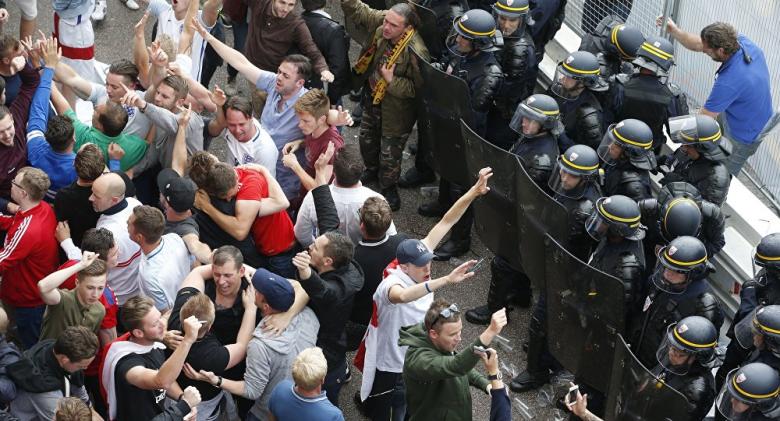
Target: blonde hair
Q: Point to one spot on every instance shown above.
(314, 102)
(200, 306)
(72, 409)
(309, 368)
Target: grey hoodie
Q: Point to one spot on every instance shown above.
(269, 358)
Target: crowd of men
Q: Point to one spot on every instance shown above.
(145, 279)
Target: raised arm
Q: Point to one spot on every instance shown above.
(218, 123)
(179, 161)
(68, 77)
(458, 209)
(165, 377)
(231, 56)
(140, 53)
(238, 350)
(48, 285)
(688, 40)
(399, 294)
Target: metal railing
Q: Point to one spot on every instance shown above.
(695, 72)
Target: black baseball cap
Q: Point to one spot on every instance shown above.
(178, 191)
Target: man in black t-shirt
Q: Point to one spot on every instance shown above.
(71, 204)
(136, 375)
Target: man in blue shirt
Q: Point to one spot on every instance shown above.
(742, 90)
(303, 398)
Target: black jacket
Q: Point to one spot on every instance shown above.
(332, 40)
(332, 293)
(38, 371)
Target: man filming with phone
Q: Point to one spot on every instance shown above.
(437, 377)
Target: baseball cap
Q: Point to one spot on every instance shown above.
(414, 252)
(178, 191)
(277, 290)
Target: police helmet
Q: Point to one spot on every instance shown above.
(537, 107)
(477, 26)
(763, 321)
(680, 216)
(631, 139)
(675, 189)
(625, 41)
(581, 66)
(655, 54)
(692, 336)
(685, 257)
(617, 215)
(579, 161)
(767, 253)
(756, 386)
(511, 8)
(699, 131)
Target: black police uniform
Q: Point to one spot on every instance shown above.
(713, 221)
(548, 16)
(627, 180)
(698, 386)
(661, 308)
(612, 43)
(709, 176)
(518, 62)
(643, 97)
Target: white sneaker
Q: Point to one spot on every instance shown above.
(132, 5)
(100, 11)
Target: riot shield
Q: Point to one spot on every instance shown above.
(495, 213)
(445, 101)
(429, 30)
(538, 214)
(636, 394)
(585, 312)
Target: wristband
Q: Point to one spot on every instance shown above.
(219, 382)
(143, 110)
(427, 288)
(180, 396)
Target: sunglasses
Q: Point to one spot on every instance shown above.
(446, 313)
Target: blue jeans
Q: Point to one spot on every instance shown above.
(281, 264)
(28, 324)
(740, 152)
(334, 380)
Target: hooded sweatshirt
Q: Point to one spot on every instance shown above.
(270, 357)
(437, 382)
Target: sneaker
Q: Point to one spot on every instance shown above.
(132, 4)
(100, 11)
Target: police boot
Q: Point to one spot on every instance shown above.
(415, 178)
(497, 297)
(521, 294)
(459, 242)
(534, 375)
(392, 197)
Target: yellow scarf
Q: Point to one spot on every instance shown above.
(368, 56)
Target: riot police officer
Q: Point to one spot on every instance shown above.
(574, 181)
(669, 216)
(576, 80)
(615, 224)
(614, 44)
(537, 120)
(685, 360)
(626, 150)
(679, 289)
(760, 332)
(471, 43)
(645, 95)
(548, 18)
(762, 290)
(750, 393)
(699, 160)
(518, 62)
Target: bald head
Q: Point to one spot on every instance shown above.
(107, 191)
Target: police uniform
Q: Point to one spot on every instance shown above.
(628, 174)
(614, 44)
(756, 386)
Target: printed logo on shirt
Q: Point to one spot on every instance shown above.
(159, 396)
(247, 159)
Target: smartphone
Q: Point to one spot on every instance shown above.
(481, 350)
(572, 395)
(475, 267)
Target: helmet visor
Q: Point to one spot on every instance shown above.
(672, 357)
(567, 183)
(610, 149)
(565, 85)
(684, 129)
(596, 226)
(669, 280)
(731, 407)
(746, 329)
(528, 111)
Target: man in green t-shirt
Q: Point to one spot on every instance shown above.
(78, 307)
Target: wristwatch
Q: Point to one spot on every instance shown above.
(496, 376)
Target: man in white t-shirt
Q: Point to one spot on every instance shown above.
(170, 21)
(108, 198)
(348, 193)
(165, 261)
(401, 299)
(246, 139)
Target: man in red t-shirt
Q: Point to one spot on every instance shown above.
(312, 110)
(260, 210)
